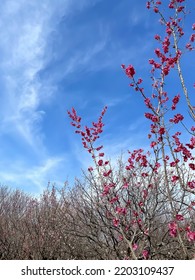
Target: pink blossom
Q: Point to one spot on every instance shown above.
(191, 184)
(166, 157)
(152, 144)
(177, 118)
(165, 70)
(115, 222)
(130, 71)
(148, 5)
(121, 210)
(172, 229)
(179, 217)
(151, 117)
(145, 254)
(193, 203)
(141, 204)
(144, 174)
(146, 231)
(191, 235)
(192, 166)
(144, 194)
(135, 246)
(139, 81)
(189, 47)
(180, 8)
(106, 174)
(192, 143)
(99, 148)
(128, 202)
(157, 37)
(174, 178)
(101, 154)
(90, 169)
(192, 38)
(175, 101)
(161, 131)
(169, 31)
(135, 213)
(106, 190)
(100, 162)
(148, 103)
(114, 199)
(174, 163)
(173, 232)
(158, 52)
(120, 237)
(73, 116)
(172, 225)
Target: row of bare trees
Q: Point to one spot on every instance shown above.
(80, 222)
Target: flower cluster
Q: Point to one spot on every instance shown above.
(152, 117)
(89, 134)
(187, 155)
(177, 118)
(175, 101)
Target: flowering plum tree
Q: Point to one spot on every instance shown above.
(150, 202)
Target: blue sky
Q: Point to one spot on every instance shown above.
(66, 53)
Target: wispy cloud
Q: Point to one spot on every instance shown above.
(25, 27)
(34, 178)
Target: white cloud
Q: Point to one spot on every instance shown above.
(24, 30)
(35, 177)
